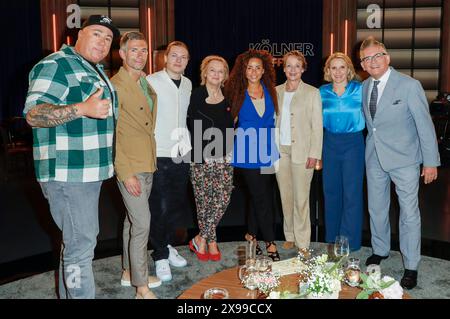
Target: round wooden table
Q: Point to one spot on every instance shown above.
(229, 280)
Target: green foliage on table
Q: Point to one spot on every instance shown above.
(370, 285)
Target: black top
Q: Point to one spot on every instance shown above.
(200, 117)
(177, 82)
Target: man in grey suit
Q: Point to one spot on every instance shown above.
(401, 136)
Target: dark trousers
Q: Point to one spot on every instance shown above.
(343, 173)
(261, 217)
(168, 201)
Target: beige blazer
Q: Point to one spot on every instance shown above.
(306, 122)
(135, 138)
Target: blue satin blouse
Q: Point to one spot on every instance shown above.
(342, 114)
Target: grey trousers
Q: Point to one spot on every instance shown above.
(136, 229)
(406, 180)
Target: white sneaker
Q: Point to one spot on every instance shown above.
(176, 259)
(163, 270)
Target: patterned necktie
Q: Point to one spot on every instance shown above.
(373, 99)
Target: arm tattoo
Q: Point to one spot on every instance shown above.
(48, 115)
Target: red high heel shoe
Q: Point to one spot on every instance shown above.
(215, 257)
(194, 248)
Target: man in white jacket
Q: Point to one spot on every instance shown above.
(168, 197)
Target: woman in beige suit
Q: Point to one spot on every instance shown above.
(300, 142)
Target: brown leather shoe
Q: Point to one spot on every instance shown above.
(288, 245)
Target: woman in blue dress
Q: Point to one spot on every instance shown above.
(343, 151)
(251, 92)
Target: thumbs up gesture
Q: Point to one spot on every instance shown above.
(94, 106)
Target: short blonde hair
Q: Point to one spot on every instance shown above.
(176, 44)
(298, 55)
(369, 42)
(205, 63)
(338, 55)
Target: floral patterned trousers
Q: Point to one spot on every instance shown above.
(212, 184)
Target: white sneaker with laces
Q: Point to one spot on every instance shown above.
(175, 259)
(163, 270)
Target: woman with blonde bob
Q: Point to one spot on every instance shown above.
(300, 144)
(343, 151)
(209, 116)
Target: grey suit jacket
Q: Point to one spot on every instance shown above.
(402, 132)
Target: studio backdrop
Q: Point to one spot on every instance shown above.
(230, 27)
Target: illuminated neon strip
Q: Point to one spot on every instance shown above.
(331, 43)
(54, 33)
(346, 36)
(150, 50)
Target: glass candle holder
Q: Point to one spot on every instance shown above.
(353, 272)
(216, 293)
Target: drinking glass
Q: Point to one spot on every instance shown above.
(216, 293)
(264, 264)
(248, 275)
(250, 251)
(341, 247)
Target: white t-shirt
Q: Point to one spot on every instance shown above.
(285, 124)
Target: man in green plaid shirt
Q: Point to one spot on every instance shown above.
(71, 106)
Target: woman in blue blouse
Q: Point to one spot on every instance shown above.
(343, 151)
(253, 99)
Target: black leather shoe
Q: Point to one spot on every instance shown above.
(409, 280)
(375, 259)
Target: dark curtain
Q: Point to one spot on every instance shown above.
(229, 27)
(21, 49)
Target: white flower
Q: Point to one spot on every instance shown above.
(320, 277)
(394, 291)
(274, 295)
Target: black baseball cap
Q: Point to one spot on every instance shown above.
(105, 21)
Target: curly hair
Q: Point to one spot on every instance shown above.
(237, 83)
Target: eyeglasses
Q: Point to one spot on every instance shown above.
(375, 57)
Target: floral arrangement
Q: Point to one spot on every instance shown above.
(265, 282)
(321, 278)
(375, 288)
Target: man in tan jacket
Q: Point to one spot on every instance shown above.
(135, 160)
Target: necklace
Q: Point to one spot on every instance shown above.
(258, 94)
(214, 95)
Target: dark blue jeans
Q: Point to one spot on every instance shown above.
(168, 201)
